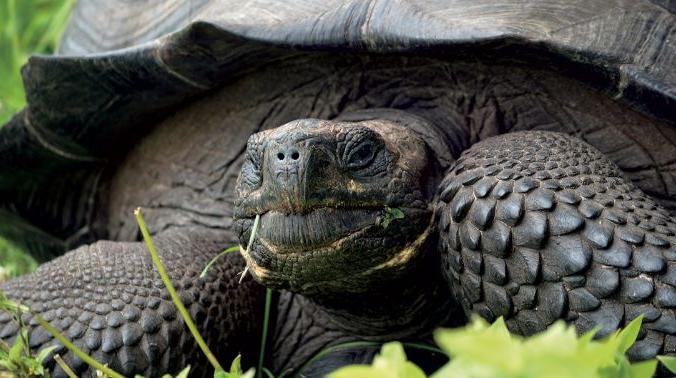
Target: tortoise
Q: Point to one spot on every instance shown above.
(412, 163)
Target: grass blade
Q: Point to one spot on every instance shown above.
(172, 292)
(71, 347)
(16, 308)
(264, 337)
(218, 256)
(66, 369)
(254, 229)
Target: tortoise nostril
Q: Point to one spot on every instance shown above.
(295, 155)
(280, 156)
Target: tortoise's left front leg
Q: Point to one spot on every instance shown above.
(537, 226)
(109, 300)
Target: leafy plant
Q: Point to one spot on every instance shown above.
(236, 370)
(483, 350)
(669, 362)
(17, 358)
(391, 214)
(390, 363)
(14, 261)
(480, 350)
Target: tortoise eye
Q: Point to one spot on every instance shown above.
(361, 156)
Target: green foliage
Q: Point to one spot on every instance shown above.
(390, 363)
(26, 27)
(391, 214)
(481, 350)
(236, 370)
(18, 360)
(25, 369)
(182, 374)
(669, 362)
(14, 261)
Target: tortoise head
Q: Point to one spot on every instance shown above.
(343, 206)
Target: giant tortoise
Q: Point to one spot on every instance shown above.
(412, 162)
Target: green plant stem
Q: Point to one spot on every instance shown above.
(63, 340)
(248, 246)
(66, 369)
(218, 256)
(172, 292)
(421, 346)
(264, 337)
(268, 373)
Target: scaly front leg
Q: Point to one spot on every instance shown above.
(109, 300)
(540, 226)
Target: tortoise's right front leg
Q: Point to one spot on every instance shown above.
(537, 226)
(109, 300)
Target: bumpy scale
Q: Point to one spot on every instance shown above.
(110, 301)
(537, 226)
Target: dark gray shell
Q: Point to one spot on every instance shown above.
(124, 64)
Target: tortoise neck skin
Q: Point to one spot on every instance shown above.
(345, 219)
(410, 305)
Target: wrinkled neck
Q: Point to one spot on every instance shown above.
(413, 304)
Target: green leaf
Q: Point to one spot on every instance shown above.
(645, 369)
(391, 214)
(629, 334)
(44, 353)
(16, 350)
(235, 370)
(236, 365)
(184, 372)
(266, 371)
(669, 362)
(356, 371)
(390, 362)
(7, 365)
(480, 350)
(212, 261)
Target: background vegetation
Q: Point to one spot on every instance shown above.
(26, 27)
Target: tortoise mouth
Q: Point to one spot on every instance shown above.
(326, 246)
(320, 228)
